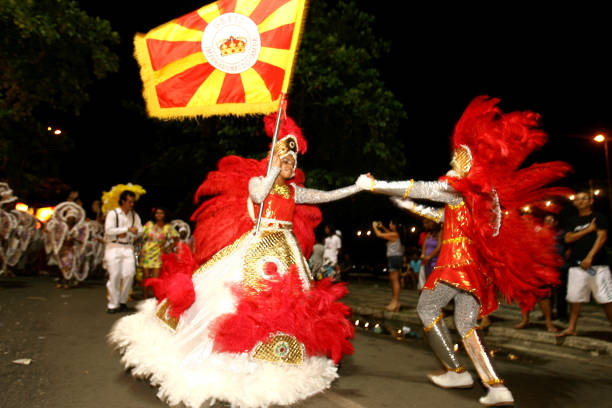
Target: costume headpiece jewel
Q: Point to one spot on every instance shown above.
(290, 138)
(462, 160)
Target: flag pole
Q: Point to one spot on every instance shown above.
(276, 128)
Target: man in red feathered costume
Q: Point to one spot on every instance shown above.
(487, 245)
(242, 320)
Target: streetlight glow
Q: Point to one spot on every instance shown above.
(601, 138)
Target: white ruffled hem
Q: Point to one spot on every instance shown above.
(183, 364)
(149, 349)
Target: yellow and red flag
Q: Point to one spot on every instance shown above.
(228, 57)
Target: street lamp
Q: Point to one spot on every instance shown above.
(600, 138)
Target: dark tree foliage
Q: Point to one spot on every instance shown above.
(51, 52)
(348, 115)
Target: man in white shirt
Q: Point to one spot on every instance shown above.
(122, 227)
(333, 244)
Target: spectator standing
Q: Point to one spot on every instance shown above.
(431, 248)
(415, 268)
(333, 245)
(122, 226)
(550, 221)
(395, 259)
(315, 262)
(589, 272)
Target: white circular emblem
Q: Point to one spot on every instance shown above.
(231, 43)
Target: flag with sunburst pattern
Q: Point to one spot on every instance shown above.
(228, 57)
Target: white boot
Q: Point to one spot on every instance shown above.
(498, 396)
(451, 379)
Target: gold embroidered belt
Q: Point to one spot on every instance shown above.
(462, 240)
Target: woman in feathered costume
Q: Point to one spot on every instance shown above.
(487, 245)
(249, 326)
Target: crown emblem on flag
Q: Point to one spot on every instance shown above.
(232, 45)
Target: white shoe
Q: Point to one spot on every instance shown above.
(499, 396)
(451, 379)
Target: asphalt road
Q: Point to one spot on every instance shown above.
(63, 332)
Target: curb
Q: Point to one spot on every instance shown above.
(500, 333)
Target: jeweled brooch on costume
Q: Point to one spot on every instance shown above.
(280, 348)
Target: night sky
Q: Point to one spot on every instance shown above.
(549, 60)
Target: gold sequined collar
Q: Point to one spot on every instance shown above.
(283, 190)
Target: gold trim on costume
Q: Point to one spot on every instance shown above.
(457, 240)
(287, 145)
(373, 184)
(269, 246)
(458, 370)
(162, 314)
(457, 265)
(454, 207)
(432, 324)
(222, 253)
(470, 332)
(410, 184)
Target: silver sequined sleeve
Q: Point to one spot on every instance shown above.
(259, 187)
(427, 190)
(311, 196)
(395, 188)
(435, 214)
(434, 191)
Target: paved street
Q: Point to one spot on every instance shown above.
(63, 333)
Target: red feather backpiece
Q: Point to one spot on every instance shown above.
(224, 217)
(521, 258)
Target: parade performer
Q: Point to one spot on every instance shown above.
(65, 240)
(184, 232)
(249, 326)
(121, 227)
(23, 241)
(487, 244)
(7, 224)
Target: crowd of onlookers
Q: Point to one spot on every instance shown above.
(70, 244)
(580, 233)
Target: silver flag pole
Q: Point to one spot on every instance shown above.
(276, 128)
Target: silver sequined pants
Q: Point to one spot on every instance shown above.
(431, 303)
